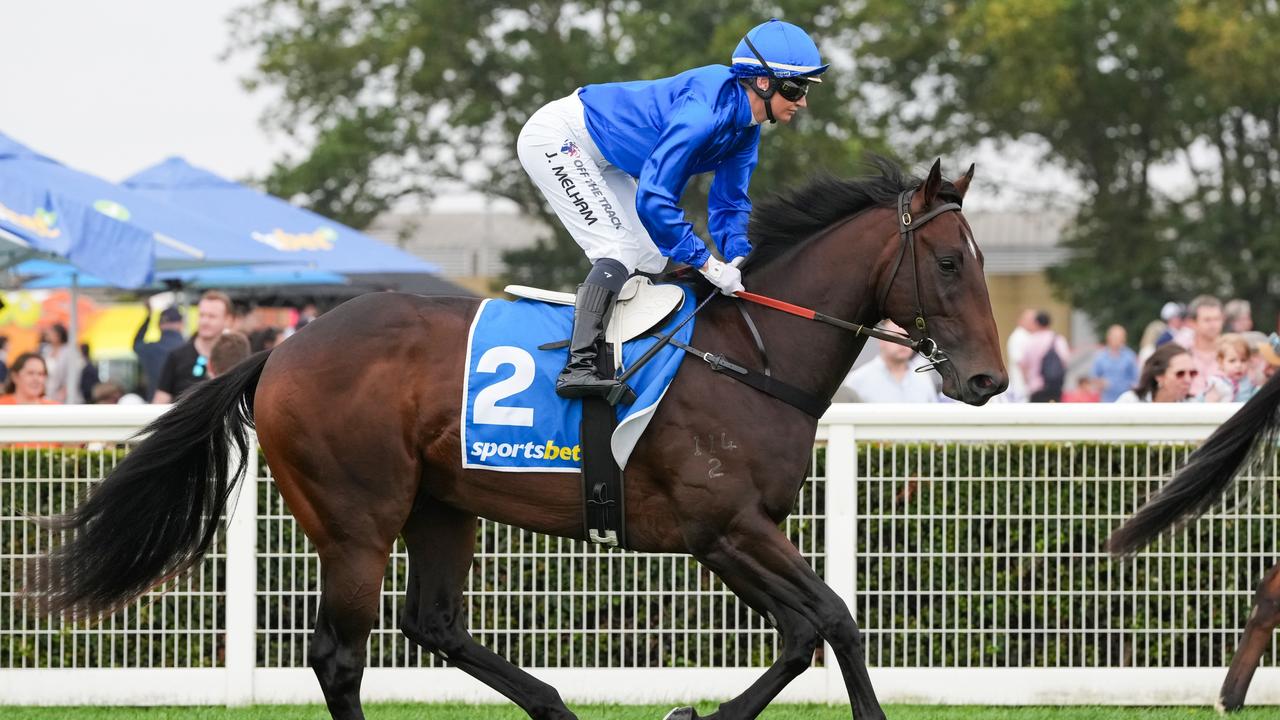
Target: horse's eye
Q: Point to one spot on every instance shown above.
(947, 265)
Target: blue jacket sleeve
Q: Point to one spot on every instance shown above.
(728, 205)
(663, 178)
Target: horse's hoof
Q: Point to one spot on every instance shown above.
(682, 713)
(1227, 705)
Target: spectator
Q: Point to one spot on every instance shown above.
(306, 315)
(1147, 343)
(64, 365)
(1044, 363)
(88, 375)
(1174, 317)
(264, 339)
(1268, 353)
(4, 357)
(152, 355)
(227, 350)
(1087, 390)
(1016, 348)
(188, 364)
(244, 320)
(1115, 365)
(111, 393)
(1238, 316)
(889, 377)
(1166, 377)
(1205, 313)
(27, 382)
(1231, 383)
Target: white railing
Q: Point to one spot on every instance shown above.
(966, 541)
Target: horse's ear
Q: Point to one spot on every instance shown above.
(962, 185)
(928, 190)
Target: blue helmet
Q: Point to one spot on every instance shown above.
(788, 50)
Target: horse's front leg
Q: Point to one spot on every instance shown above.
(799, 640)
(757, 560)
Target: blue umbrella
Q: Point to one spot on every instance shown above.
(49, 208)
(297, 235)
(43, 274)
(104, 229)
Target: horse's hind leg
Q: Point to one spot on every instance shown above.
(441, 543)
(353, 519)
(351, 584)
(1257, 634)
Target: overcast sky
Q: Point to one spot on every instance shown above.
(113, 87)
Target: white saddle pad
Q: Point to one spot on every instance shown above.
(641, 305)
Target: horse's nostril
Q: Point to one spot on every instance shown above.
(983, 382)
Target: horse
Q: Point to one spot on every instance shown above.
(1244, 441)
(358, 416)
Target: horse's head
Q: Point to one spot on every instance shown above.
(932, 284)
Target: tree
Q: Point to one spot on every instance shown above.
(1115, 90)
(396, 97)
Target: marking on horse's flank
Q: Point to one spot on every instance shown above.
(723, 443)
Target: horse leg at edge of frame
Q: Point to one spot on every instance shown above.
(799, 640)
(761, 556)
(350, 587)
(1257, 634)
(441, 542)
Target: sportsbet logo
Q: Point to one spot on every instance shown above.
(530, 451)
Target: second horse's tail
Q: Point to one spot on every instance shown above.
(1246, 436)
(156, 513)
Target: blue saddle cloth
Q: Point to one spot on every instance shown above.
(512, 419)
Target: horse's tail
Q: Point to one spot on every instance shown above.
(1245, 438)
(156, 513)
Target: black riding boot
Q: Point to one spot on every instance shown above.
(590, 316)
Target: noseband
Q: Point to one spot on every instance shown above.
(907, 226)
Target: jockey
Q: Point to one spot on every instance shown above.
(613, 160)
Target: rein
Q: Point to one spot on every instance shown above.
(907, 226)
(811, 404)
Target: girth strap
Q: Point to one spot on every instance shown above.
(810, 404)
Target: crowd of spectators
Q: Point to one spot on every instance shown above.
(61, 373)
(1204, 351)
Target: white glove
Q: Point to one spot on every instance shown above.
(725, 276)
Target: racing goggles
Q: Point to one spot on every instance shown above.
(791, 89)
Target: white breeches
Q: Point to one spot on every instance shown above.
(595, 200)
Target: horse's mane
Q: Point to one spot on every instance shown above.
(788, 219)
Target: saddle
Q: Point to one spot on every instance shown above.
(641, 307)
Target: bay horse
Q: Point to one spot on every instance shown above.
(358, 416)
(1246, 440)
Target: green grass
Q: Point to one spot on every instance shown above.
(623, 712)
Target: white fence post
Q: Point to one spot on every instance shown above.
(841, 532)
(242, 584)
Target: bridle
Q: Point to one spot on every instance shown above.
(907, 227)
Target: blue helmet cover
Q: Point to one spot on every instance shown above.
(789, 51)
